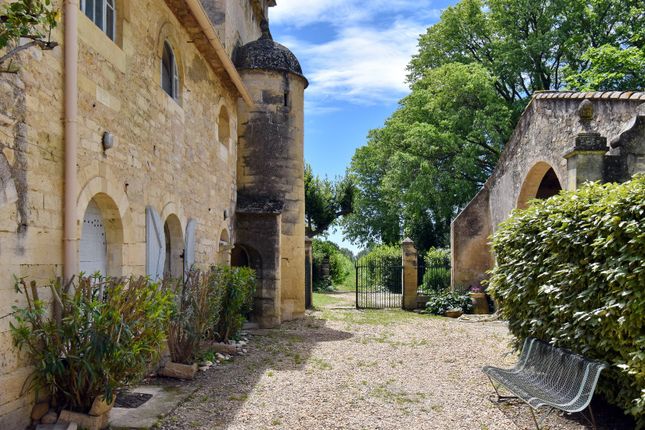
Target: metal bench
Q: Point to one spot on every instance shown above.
(546, 376)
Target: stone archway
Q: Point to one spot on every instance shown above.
(541, 182)
(101, 244)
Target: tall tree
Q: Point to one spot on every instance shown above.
(472, 77)
(325, 201)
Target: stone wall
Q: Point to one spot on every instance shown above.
(545, 134)
(167, 155)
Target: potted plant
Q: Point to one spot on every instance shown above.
(101, 334)
(478, 296)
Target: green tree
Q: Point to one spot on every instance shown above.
(474, 73)
(325, 201)
(431, 156)
(25, 19)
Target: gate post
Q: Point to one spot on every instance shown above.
(308, 273)
(410, 281)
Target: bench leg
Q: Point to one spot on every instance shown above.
(500, 398)
(539, 423)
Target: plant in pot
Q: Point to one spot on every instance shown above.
(196, 312)
(448, 303)
(100, 335)
(480, 301)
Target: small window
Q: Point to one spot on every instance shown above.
(102, 13)
(169, 76)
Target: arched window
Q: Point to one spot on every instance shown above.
(169, 75)
(102, 13)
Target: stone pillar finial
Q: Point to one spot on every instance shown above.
(410, 276)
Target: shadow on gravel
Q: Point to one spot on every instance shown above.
(223, 390)
(608, 417)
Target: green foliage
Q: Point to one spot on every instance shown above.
(325, 201)
(611, 69)
(383, 264)
(102, 335)
(570, 271)
(29, 19)
(196, 314)
(472, 77)
(339, 264)
(437, 270)
(429, 159)
(238, 289)
(441, 301)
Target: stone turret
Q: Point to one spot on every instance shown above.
(271, 172)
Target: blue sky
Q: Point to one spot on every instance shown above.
(354, 53)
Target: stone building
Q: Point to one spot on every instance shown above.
(138, 147)
(562, 140)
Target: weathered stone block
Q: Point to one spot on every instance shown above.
(85, 421)
(179, 371)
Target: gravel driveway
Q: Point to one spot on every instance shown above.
(346, 369)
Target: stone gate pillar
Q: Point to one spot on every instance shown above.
(410, 281)
(585, 162)
(309, 281)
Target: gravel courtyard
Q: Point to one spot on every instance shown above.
(346, 369)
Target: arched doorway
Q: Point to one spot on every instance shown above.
(174, 264)
(100, 247)
(240, 258)
(540, 183)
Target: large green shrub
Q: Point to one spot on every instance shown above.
(437, 270)
(102, 334)
(384, 267)
(570, 270)
(339, 265)
(238, 288)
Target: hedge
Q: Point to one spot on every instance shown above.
(340, 266)
(437, 270)
(570, 271)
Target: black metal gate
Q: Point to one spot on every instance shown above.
(379, 283)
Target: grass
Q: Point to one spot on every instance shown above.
(322, 300)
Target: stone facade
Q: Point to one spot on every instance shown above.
(562, 140)
(172, 159)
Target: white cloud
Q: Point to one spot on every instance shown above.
(363, 65)
(299, 13)
(369, 44)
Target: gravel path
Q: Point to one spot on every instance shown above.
(346, 369)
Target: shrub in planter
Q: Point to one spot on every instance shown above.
(570, 271)
(238, 288)
(196, 312)
(441, 301)
(102, 334)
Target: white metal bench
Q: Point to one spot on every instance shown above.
(546, 376)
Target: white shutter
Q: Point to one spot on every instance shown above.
(189, 251)
(155, 245)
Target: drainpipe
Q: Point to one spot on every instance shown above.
(70, 192)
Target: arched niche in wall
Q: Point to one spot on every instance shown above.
(541, 182)
(101, 244)
(174, 263)
(224, 127)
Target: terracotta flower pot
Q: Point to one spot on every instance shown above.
(480, 303)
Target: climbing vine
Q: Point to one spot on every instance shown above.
(25, 24)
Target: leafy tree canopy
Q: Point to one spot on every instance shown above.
(325, 201)
(473, 75)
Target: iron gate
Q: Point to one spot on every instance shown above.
(379, 283)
